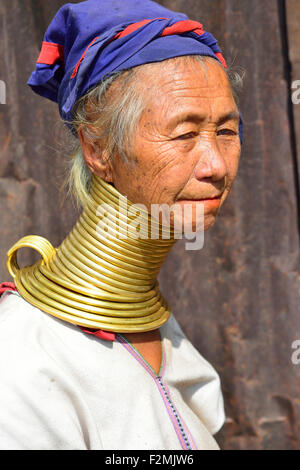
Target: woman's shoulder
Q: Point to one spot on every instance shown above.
(32, 339)
(15, 313)
(18, 318)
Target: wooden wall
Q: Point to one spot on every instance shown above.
(238, 298)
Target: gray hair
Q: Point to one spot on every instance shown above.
(113, 117)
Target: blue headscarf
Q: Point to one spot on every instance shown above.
(88, 41)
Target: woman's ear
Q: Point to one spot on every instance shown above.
(95, 157)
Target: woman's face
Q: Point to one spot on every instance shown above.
(186, 149)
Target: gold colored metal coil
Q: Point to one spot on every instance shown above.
(103, 275)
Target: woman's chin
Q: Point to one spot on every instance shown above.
(192, 226)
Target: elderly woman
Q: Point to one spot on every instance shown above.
(93, 357)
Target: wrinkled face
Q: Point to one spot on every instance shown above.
(187, 147)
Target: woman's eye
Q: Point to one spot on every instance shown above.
(188, 135)
(226, 132)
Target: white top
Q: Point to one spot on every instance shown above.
(64, 389)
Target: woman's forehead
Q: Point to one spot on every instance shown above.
(181, 77)
(188, 93)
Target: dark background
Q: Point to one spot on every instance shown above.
(238, 298)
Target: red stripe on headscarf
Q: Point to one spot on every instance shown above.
(50, 53)
(187, 26)
(133, 27)
(184, 26)
(221, 59)
(82, 57)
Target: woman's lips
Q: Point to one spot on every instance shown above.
(211, 202)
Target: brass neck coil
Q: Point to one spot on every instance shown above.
(104, 274)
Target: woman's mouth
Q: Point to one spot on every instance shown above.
(209, 202)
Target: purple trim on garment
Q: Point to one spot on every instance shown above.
(180, 427)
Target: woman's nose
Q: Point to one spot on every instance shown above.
(211, 163)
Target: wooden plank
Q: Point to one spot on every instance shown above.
(293, 33)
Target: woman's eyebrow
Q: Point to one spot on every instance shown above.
(232, 116)
(197, 117)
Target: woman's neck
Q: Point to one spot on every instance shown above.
(103, 275)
